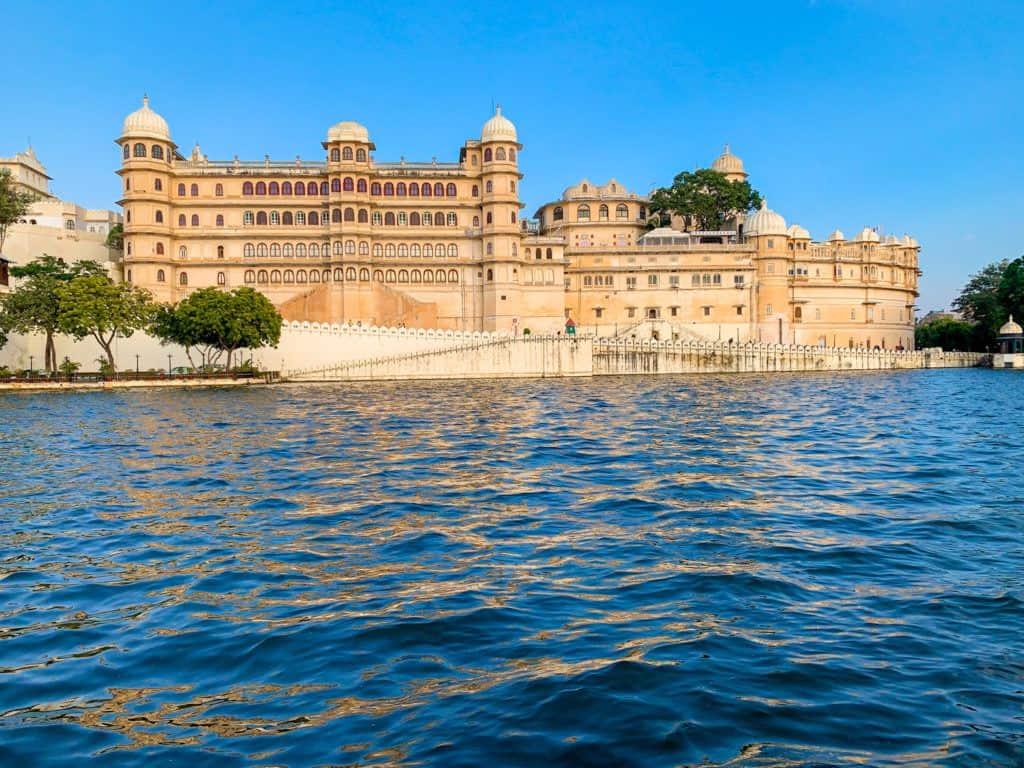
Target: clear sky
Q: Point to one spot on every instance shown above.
(902, 115)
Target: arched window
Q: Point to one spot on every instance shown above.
(250, 276)
(261, 188)
(181, 190)
(557, 214)
(346, 153)
(300, 249)
(350, 214)
(440, 276)
(428, 276)
(335, 185)
(439, 189)
(181, 218)
(220, 220)
(453, 251)
(261, 250)
(499, 153)
(127, 151)
(246, 188)
(488, 155)
(140, 150)
(414, 250)
(414, 189)
(159, 249)
(364, 274)
(219, 190)
(274, 188)
(195, 219)
(489, 218)
(300, 276)
(275, 249)
(621, 211)
(158, 185)
(428, 219)
(314, 276)
(314, 251)
(323, 187)
(602, 212)
(311, 188)
(389, 276)
(453, 220)
(335, 155)
(583, 213)
(439, 250)
(476, 191)
(160, 277)
(314, 220)
(287, 219)
(476, 221)
(390, 249)
(300, 188)
(490, 272)
(549, 253)
(414, 219)
(339, 275)
(286, 187)
(403, 251)
(513, 217)
(538, 256)
(361, 186)
(287, 251)
(261, 218)
(400, 189)
(364, 217)
(378, 250)
(389, 189)
(289, 276)
(337, 248)
(194, 190)
(157, 152)
(249, 250)
(415, 276)
(389, 219)
(512, 154)
(403, 276)
(220, 251)
(262, 276)
(336, 216)
(275, 218)
(360, 155)
(403, 218)
(489, 186)
(275, 275)
(451, 191)
(364, 248)
(428, 251)
(426, 191)
(158, 217)
(375, 188)
(183, 278)
(248, 218)
(350, 247)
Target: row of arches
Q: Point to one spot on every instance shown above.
(339, 215)
(499, 154)
(139, 150)
(346, 248)
(583, 212)
(345, 153)
(347, 184)
(351, 274)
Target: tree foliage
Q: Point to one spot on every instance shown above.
(990, 297)
(217, 322)
(94, 305)
(14, 203)
(34, 305)
(704, 199)
(115, 237)
(948, 333)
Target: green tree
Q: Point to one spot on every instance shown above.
(947, 333)
(705, 199)
(115, 237)
(33, 305)
(980, 304)
(14, 203)
(1011, 291)
(216, 322)
(94, 305)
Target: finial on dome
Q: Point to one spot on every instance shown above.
(145, 100)
(764, 203)
(726, 148)
(497, 109)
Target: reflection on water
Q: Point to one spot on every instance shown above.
(776, 571)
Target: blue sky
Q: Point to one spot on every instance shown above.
(905, 115)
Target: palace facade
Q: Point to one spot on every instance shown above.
(444, 245)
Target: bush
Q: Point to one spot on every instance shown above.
(69, 367)
(247, 367)
(106, 369)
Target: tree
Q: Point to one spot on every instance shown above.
(216, 322)
(33, 305)
(979, 302)
(705, 199)
(14, 204)
(947, 333)
(1011, 290)
(94, 305)
(115, 237)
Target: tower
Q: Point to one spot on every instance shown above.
(147, 156)
(766, 230)
(501, 232)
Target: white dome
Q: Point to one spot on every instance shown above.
(498, 128)
(728, 163)
(146, 122)
(1011, 328)
(765, 222)
(837, 237)
(866, 235)
(348, 131)
(798, 233)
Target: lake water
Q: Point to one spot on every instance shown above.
(745, 571)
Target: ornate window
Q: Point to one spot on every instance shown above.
(453, 251)
(489, 218)
(360, 155)
(275, 218)
(286, 187)
(621, 211)
(275, 249)
(275, 275)
(428, 251)
(451, 191)
(335, 155)
(335, 185)
(361, 186)
(414, 219)
(287, 251)
(389, 219)
(159, 249)
(160, 277)
(261, 250)
(363, 216)
(140, 150)
(157, 152)
(287, 219)
(403, 251)
(262, 276)
(489, 186)
(583, 213)
(476, 221)
(400, 189)
(602, 213)
(375, 188)
(300, 189)
(195, 219)
(389, 189)
(512, 154)
(499, 153)
(476, 191)
(378, 250)
(261, 218)
(181, 190)
(220, 220)
(249, 250)
(350, 214)
(194, 190)
(300, 250)
(426, 191)
(488, 155)
(414, 189)
(428, 219)
(453, 220)
(336, 216)
(314, 251)
(311, 188)
(346, 153)
(158, 185)
(557, 214)
(364, 248)
(414, 250)
(261, 188)
(246, 188)
(220, 251)
(403, 218)
(314, 276)
(289, 276)
(127, 151)
(389, 276)
(300, 218)
(181, 218)
(274, 188)
(339, 275)
(378, 218)
(439, 189)
(350, 247)
(183, 278)
(403, 276)
(389, 250)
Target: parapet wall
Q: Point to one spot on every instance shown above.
(629, 356)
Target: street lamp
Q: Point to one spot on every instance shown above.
(168, 365)
(31, 359)
(136, 366)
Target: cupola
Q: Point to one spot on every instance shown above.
(146, 123)
(764, 221)
(498, 128)
(728, 163)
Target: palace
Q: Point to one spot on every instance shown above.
(443, 245)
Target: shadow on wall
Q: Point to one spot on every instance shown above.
(375, 304)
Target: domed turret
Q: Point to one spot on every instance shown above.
(1010, 328)
(866, 235)
(145, 122)
(729, 164)
(796, 232)
(764, 222)
(498, 128)
(837, 236)
(348, 130)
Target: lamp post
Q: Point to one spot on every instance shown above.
(31, 359)
(168, 365)
(136, 366)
